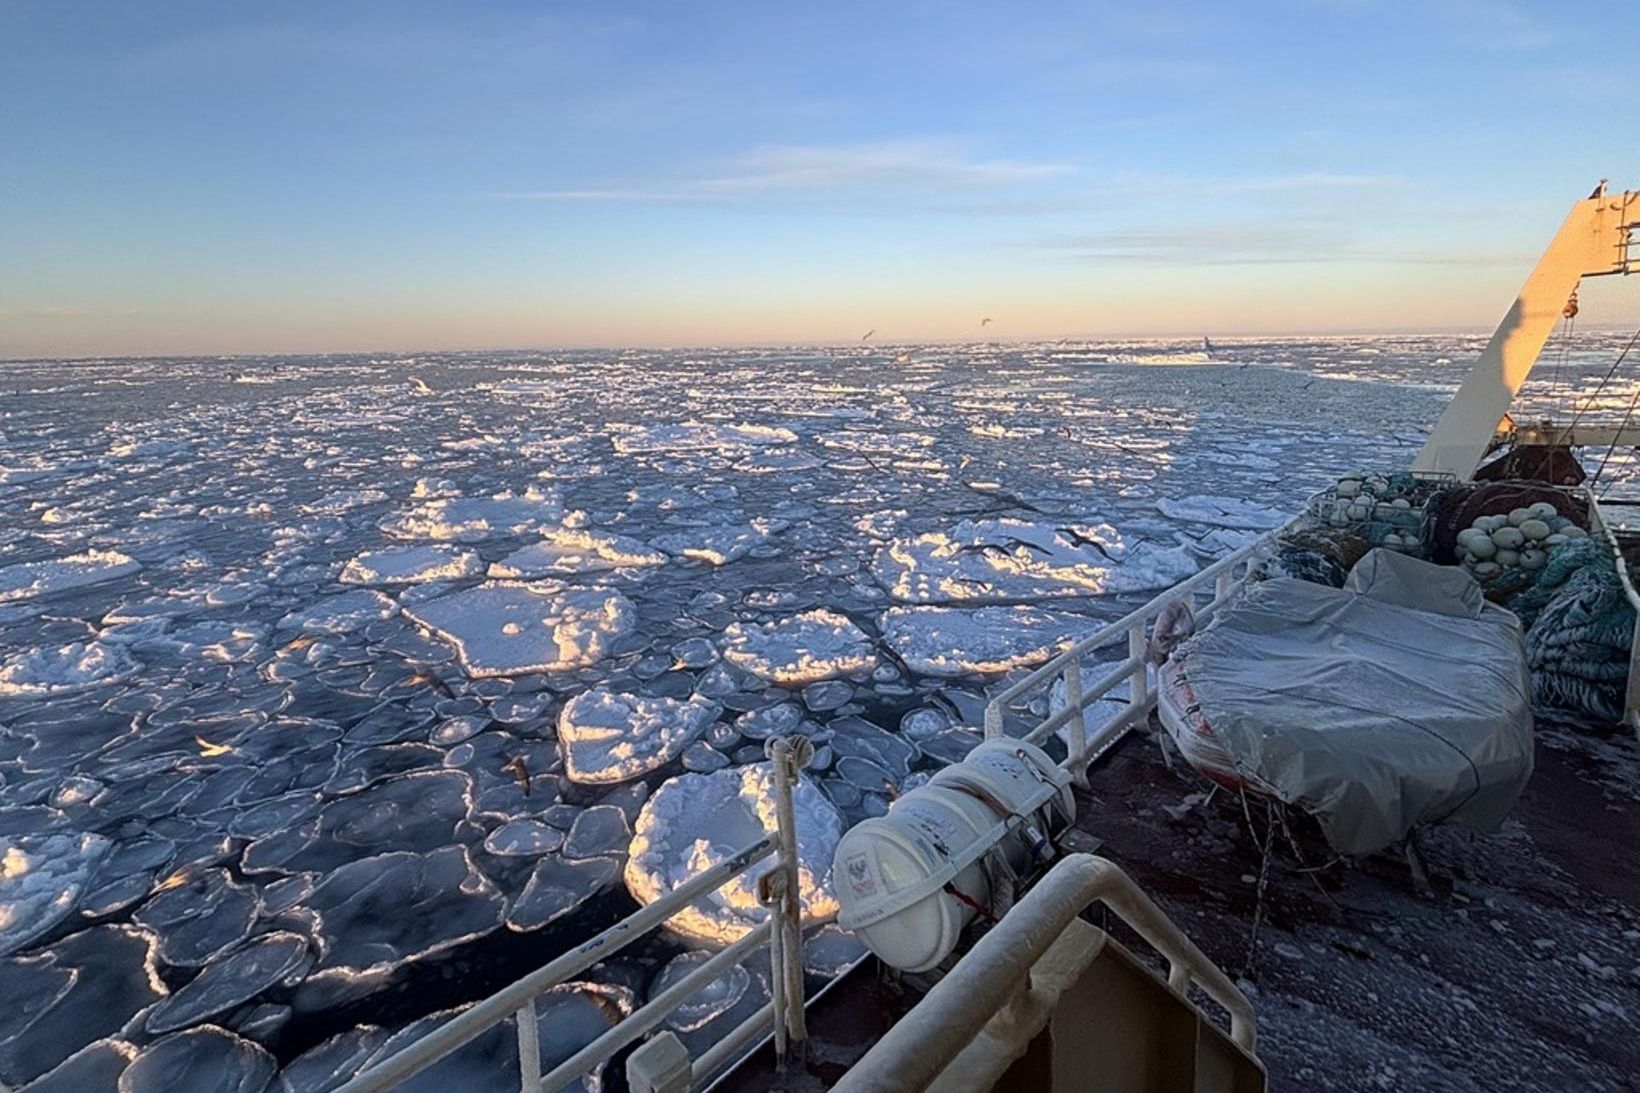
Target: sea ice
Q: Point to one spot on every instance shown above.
(803, 648)
(719, 544)
(377, 914)
(523, 838)
(504, 628)
(410, 812)
(201, 1060)
(694, 436)
(26, 580)
(948, 641)
(557, 886)
(611, 737)
(412, 565)
(694, 821)
(198, 916)
(981, 561)
(567, 551)
(599, 830)
(41, 879)
(71, 667)
(94, 1067)
(1228, 512)
(83, 988)
(342, 613)
(475, 519)
(243, 974)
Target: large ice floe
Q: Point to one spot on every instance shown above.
(510, 627)
(611, 737)
(70, 667)
(694, 821)
(695, 435)
(26, 580)
(953, 641)
(475, 519)
(412, 565)
(980, 561)
(567, 551)
(802, 648)
(41, 879)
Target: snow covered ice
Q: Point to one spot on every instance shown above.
(695, 821)
(318, 688)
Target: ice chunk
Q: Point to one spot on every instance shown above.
(948, 641)
(198, 916)
(474, 519)
(558, 886)
(243, 974)
(85, 987)
(980, 561)
(695, 821)
(94, 1067)
(377, 914)
(525, 838)
(701, 756)
(695, 435)
(509, 628)
(41, 879)
(711, 1001)
(567, 551)
(601, 829)
(322, 1068)
(26, 580)
(608, 737)
(71, 667)
(412, 565)
(342, 613)
(803, 648)
(719, 544)
(1227, 512)
(201, 1060)
(410, 812)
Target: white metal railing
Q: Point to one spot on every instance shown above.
(781, 932)
(914, 1052)
(1219, 580)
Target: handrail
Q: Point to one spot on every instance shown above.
(518, 1000)
(914, 1052)
(1084, 749)
(1631, 690)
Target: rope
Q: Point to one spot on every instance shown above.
(1612, 447)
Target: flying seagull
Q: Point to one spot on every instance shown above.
(868, 334)
(983, 322)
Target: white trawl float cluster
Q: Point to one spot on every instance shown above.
(340, 694)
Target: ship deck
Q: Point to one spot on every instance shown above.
(1516, 967)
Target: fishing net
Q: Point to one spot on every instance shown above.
(1579, 629)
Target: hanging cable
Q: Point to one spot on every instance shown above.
(1627, 417)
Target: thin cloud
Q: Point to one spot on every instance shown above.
(821, 169)
(1248, 244)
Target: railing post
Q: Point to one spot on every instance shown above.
(993, 720)
(1138, 650)
(529, 1049)
(1222, 585)
(1077, 748)
(790, 755)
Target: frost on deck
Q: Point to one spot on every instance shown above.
(324, 696)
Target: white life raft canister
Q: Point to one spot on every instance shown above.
(909, 882)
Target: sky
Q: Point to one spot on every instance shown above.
(304, 177)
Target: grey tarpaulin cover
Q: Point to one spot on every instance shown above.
(1400, 699)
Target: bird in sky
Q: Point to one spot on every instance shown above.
(984, 322)
(868, 334)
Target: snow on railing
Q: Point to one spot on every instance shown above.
(781, 933)
(1221, 579)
